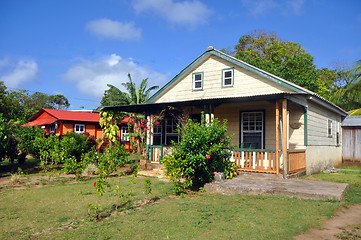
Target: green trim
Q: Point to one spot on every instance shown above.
(202, 78)
(150, 153)
(230, 59)
(305, 128)
(184, 70)
(255, 70)
(222, 72)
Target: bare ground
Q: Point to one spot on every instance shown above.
(343, 220)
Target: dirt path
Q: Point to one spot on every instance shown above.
(343, 219)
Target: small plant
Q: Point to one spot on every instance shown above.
(94, 211)
(90, 169)
(15, 178)
(147, 186)
(134, 168)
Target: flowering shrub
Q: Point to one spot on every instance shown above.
(203, 149)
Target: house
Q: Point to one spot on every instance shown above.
(351, 138)
(60, 122)
(279, 127)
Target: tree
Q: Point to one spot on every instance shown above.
(114, 96)
(285, 59)
(348, 96)
(58, 102)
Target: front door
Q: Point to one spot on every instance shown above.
(252, 130)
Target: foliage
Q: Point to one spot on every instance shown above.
(147, 186)
(108, 121)
(26, 137)
(19, 106)
(203, 150)
(285, 59)
(4, 137)
(114, 96)
(90, 169)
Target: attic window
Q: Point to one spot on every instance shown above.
(227, 77)
(197, 81)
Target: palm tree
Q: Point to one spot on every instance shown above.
(349, 96)
(114, 96)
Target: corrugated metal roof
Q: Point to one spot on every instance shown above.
(69, 115)
(352, 121)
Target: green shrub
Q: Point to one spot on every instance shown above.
(203, 150)
(26, 137)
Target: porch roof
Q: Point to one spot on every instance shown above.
(154, 107)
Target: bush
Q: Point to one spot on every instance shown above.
(90, 169)
(203, 150)
(26, 137)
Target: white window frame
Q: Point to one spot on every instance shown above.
(173, 123)
(253, 130)
(79, 126)
(224, 78)
(123, 132)
(194, 81)
(329, 128)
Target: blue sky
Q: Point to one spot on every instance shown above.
(76, 47)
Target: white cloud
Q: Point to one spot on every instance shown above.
(107, 28)
(92, 76)
(296, 6)
(17, 73)
(187, 13)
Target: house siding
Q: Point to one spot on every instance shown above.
(322, 150)
(246, 83)
(231, 112)
(296, 136)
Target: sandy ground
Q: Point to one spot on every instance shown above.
(343, 219)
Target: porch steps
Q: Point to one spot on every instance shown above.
(270, 184)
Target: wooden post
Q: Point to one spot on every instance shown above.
(284, 127)
(277, 136)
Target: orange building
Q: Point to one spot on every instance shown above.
(60, 122)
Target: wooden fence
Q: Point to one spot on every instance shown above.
(255, 160)
(296, 160)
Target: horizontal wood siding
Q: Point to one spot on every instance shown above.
(231, 112)
(296, 136)
(246, 83)
(68, 127)
(317, 118)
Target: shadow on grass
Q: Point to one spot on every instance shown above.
(31, 166)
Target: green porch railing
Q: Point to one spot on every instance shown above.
(154, 153)
(257, 160)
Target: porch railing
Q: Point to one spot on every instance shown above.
(296, 160)
(256, 160)
(154, 154)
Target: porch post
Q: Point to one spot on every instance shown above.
(150, 130)
(277, 136)
(285, 132)
(207, 114)
(212, 111)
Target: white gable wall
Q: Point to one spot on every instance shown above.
(246, 83)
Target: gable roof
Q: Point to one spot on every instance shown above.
(68, 115)
(211, 51)
(291, 86)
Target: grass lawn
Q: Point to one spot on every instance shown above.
(60, 212)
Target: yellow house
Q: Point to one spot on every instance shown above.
(278, 126)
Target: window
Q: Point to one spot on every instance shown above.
(197, 81)
(227, 77)
(52, 129)
(338, 137)
(252, 130)
(171, 133)
(79, 128)
(165, 132)
(157, 133)
(329, 128)
(124, 131)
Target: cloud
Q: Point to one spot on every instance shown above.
(13, 74)
(107, 28)
(262, 7)
(187, 13)
(92, 76)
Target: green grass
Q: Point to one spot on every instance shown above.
(60, 212)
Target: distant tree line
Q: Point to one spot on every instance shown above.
(19, 106)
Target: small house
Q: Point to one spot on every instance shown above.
(351, 138)
(278, 126)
